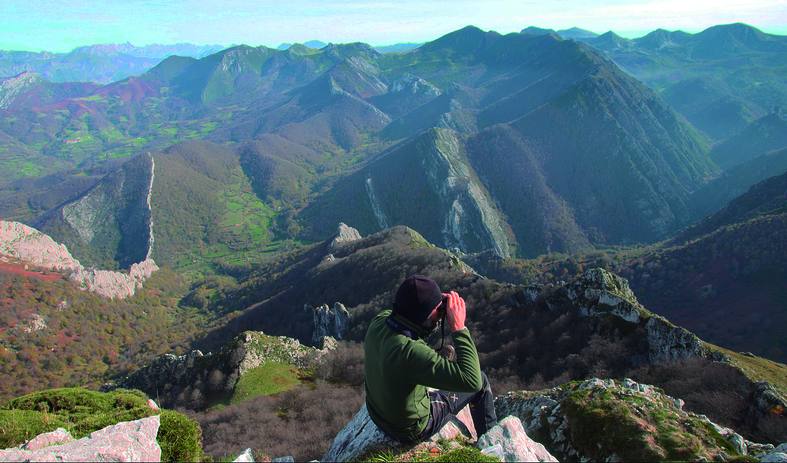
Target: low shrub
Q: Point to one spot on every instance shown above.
(180, 437)
(82, 411)
(19, 426)
(301, 422)
(343, 365)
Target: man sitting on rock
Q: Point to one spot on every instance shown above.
(400, 365)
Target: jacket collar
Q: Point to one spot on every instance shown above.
(402, 325)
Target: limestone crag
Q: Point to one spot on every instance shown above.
(344, 234)
(190, 380)
(126, 441)
(509, 442)
(329, 322)
(29, 245)
(11, 87)
(463, 197)
(35, 323)
(361, 436)
(598, 292)
(415, 85)
(56, 437)
(767, 401)
(245, 457)
(554, 417)
(111, 284)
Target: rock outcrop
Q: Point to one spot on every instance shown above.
(29, 245)
(191, 379)
(35, 248)
(11, 87)
(333, 322)
(508, 440)
(775, 455)
(245, 457)
(361, 436)
(127, 441)
(345, 234)
(620, 420)
(111, 284)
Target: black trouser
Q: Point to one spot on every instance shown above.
(446, 404)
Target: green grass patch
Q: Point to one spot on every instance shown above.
(758, 368)
(267, 379)
(637, 428)
(443, 451)
(82, 411)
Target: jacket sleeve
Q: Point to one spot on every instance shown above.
(428, 368)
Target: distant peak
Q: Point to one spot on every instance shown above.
(733, 28)
(610, 34)
(533, 30)
(469, 29)
(467, 39)
(576, 33)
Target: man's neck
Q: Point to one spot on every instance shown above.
(419, 331)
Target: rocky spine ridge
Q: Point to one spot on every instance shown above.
(461, 190)
(149, 199)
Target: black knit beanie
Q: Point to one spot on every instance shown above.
(416, 297)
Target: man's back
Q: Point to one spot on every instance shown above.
(397, 370)
(396, 405)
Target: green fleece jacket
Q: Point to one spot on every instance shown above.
(398, 370)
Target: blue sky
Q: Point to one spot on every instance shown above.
(58, 25)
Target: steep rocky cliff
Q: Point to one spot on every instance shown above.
(427, 184)
(112, 223)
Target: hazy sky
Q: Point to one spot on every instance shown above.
(59, 25)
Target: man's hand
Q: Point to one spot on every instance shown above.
(455, 312)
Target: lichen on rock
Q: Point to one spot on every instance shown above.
(126, 441)
(604, 419)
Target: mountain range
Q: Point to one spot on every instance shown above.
(720, 79)
(102, 63)
(367, 109)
